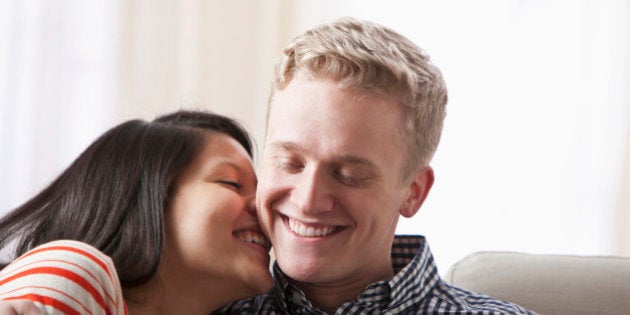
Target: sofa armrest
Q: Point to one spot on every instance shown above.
(548, 284)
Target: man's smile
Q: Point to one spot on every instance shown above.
(309, 230)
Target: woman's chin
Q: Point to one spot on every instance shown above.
(250, 282)
(261, 283)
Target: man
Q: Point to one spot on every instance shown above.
(355, 115)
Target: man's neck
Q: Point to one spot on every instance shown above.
(329, 296)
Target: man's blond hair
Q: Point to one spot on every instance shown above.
(370, 58)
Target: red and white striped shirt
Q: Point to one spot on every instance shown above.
(65, 277)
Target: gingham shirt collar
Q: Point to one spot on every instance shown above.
(410, 256)
(416, 288)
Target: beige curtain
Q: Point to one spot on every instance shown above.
(69, 71)
(56, 89)
(200, 54)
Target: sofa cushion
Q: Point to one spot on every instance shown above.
(548, 284)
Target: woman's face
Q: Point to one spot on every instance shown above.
(213, 236)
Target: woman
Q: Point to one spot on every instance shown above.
(170, 201)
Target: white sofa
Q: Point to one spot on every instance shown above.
(548, 284)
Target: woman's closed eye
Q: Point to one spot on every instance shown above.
(231, 183)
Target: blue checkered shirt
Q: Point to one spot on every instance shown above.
(416, 288)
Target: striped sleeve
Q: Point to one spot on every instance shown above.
(65, 277)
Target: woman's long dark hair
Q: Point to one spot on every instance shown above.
(113, 195)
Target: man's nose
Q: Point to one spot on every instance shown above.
(312, 192)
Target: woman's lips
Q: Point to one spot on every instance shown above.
(254, 237)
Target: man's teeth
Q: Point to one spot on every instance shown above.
(309, 231)
(253, 237)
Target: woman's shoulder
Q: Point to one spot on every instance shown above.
(64, 276)
(68, 250)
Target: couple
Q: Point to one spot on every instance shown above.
(354, 118)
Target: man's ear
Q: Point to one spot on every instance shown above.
(417, 192)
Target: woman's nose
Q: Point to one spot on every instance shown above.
(251, 205)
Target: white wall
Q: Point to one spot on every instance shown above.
(532, 155)
(533, 149)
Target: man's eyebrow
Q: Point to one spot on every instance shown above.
(342, 158)
(288, 146)
(353, 159)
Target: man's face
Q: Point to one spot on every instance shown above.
(330, 191)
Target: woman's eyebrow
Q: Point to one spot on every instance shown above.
(234, 166)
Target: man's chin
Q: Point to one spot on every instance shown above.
(304, 271)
